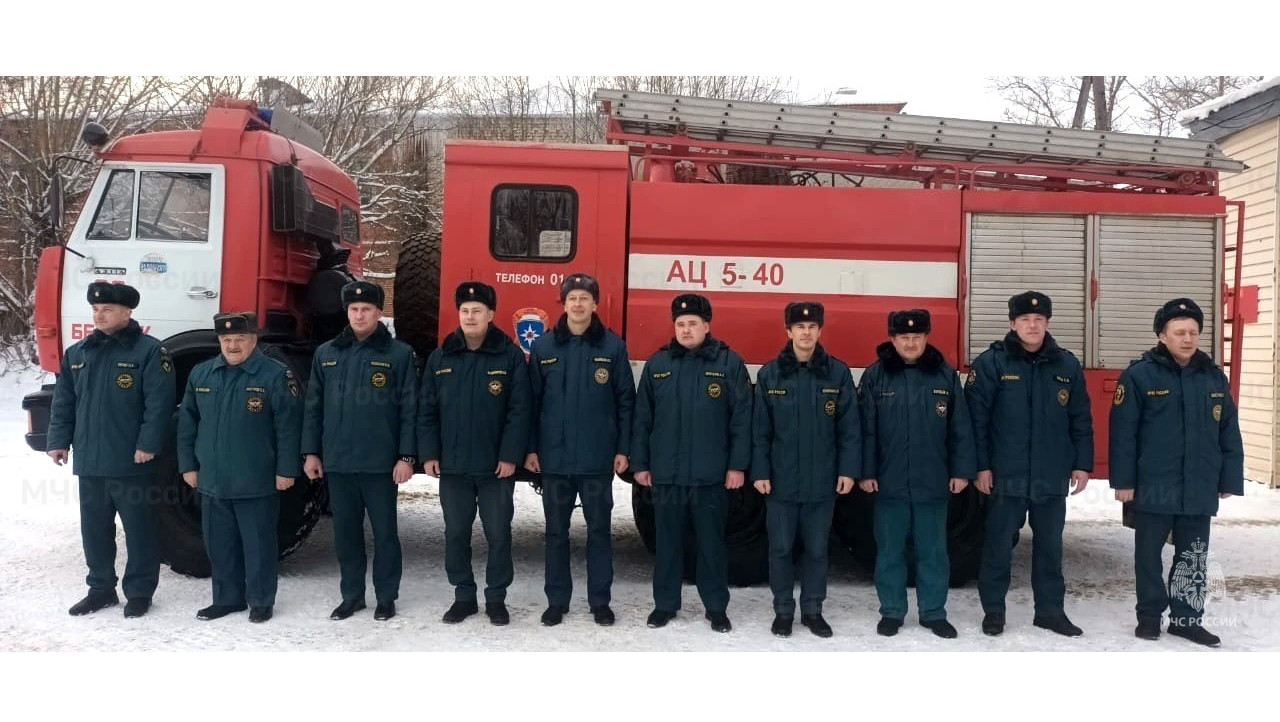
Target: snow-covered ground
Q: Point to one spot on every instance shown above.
(42, 573)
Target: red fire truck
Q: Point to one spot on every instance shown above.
(752, 204)
(756, 205)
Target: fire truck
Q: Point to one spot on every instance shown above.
(751, 204)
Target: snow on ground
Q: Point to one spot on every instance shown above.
(43, 574)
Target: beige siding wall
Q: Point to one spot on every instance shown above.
(1257, 147)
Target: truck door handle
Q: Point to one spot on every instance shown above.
(201, 292)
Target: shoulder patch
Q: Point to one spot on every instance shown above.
(971, 378)
(166, 363)
(1119, 397)
(292, 383)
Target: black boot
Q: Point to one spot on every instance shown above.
(217, 611)
(781, 626)
(888, 626)
(1058, 625)
(498, 615)
(94, 601)
(816, 624)
(346, 609)
(659, 618)
(384, 611)
(1147, 629)
(258, 615)
(719, 621)
(993, 624)
(941, 627)
(553, 616)
(136, 607)
(1195, 633)
(603, 615)
(460, 611)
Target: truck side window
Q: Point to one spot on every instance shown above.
(173, 206)
(113, 220)
(533, 222)
(350, 225)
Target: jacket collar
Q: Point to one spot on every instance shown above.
(594, 334)
(250, 365)
(1049, 351)
(1161, 355)
(495, 341)
(126, 336)
(380, 339)
(709, 349)
(891, 360)
(788, 363)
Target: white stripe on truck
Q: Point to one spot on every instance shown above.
(809, 276)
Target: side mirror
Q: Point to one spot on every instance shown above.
(55, 200)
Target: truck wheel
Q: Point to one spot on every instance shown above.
(178, 511)
(966, 524)
(416, 301)
(746, 539)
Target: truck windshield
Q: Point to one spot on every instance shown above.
(171, 206)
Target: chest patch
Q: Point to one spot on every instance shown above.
(829, 407)
(380, 364)
(378, 379)
(328, 363)
(76, 367)
(499, 372)
(444, 371)
(831, 391)
(716, 374)
(255, 389)
(495, 387)
(1158, 392)
(1217, 412)
(776, 392)
(254, 404)
(1063, 397)
(941, 409)
(602, 360)
(714, 389)
(1061, 379)
(549, 361)
(125, 381)
(602, 376)
(661, 375)
(126, 365)
(1011, 377)
(203, 390)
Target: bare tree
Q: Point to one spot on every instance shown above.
(1138, 105)
(41, 118)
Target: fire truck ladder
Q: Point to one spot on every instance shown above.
(933, 150)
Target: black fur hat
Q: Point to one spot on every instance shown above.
(237, 322)
(1178, 308)
(916, 320)
(362, 291)
(691, 303)
(119, 293)
(798, 311)
(580, 282)
(475, 291)
(1030, 302)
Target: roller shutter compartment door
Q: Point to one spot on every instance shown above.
(1012, 253)
(1144, 261)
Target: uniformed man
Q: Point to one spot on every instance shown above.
(358, 433)
(238, 446)
(691, 442)
(917, 451)
(1175, 450)
(112, 404)
(583, 396)
(475, 412)
(1034, 435)
(806, 448)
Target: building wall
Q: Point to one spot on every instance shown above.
(1258, 147)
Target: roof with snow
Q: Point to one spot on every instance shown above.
(1233, 112)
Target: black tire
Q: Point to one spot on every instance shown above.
(178, 513)
(746, 538)
(966, 524)
(416, 299)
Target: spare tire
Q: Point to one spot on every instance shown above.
(746, 539)
(416, 292)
